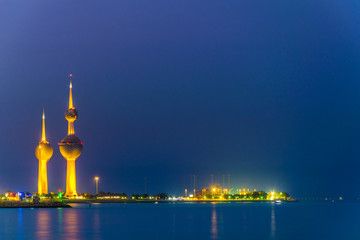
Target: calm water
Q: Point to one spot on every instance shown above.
(303, 220)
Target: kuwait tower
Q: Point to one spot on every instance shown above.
(43, 152)
(71, 147)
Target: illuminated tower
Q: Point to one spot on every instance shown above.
(71, 147)
(43, 152)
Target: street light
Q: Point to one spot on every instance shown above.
(97, 185)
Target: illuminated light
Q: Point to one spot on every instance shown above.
(43, 138)
(71, 146)
(214, 189)
(71, 106)
(43, 153)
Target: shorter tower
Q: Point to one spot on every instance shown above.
(43, 152)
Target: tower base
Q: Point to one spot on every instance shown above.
(71, 178)
(42, 178)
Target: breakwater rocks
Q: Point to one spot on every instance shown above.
(18, 204)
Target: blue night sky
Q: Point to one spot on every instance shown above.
(267, 91)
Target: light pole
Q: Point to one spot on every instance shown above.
(223, 182)
(229, 182)
(97, 185)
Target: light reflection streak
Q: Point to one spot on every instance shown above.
(20, 224)
(71, 224)
(60, 220)
(214, 224)
(43, 225)
(96, 226)
(273, 222)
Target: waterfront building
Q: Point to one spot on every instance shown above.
(43, 152)
(71, 147)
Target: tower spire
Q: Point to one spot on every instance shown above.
(43, 138)
(71, 106)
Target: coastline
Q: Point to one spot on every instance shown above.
(18, 204)
(66, 202)
(89, 201)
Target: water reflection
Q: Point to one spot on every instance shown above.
(43, 224)
(273, 222)
(96, 225)
(214, 224)
(60, 220)
(20, 224)
(71, 224)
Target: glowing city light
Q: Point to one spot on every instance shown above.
(97, 184)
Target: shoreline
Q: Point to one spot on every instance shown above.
(18, 204)
(90, 201)
(65, 203)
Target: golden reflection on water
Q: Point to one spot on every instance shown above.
(214, 224)
(96, 225)
(71, 224)
(43, 224)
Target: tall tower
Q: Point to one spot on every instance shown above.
(43, 152)
(71, 147)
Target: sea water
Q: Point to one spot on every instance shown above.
(293, 220)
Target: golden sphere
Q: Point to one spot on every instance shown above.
(70, 147)
(71, 114)
(43, 151)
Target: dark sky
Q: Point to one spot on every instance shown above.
(267, 91)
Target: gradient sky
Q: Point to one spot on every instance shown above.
(267, 91)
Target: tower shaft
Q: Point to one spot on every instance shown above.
(71, 178)
(42, 181)
(71, 129)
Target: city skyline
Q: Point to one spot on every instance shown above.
(268, 93)
(218, 119)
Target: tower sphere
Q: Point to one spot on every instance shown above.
(43, 151)
(71, 147)
(71, 114)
